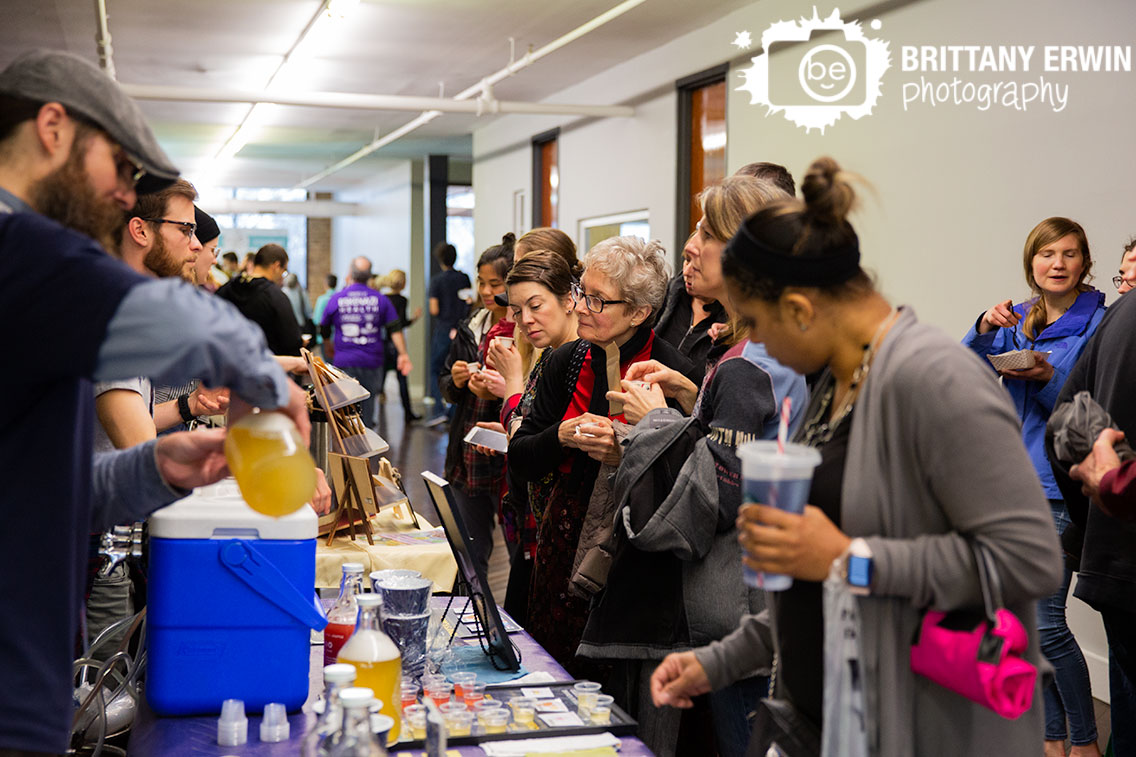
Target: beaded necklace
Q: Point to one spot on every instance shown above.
(818, 430)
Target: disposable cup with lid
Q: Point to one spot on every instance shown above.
(274, 724)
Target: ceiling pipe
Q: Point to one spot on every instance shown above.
(102, 39)
(487, 83)
(353, 101)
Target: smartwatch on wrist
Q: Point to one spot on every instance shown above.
(183, 408)
(858, 568)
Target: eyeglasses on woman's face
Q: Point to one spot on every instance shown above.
(593, 302)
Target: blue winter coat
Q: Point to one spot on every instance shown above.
(1066, 338)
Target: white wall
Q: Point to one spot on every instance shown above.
(384, 233)
(959, 189)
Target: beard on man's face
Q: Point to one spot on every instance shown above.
(164, 265)
(65, 195)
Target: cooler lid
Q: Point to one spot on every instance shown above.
(218, 511)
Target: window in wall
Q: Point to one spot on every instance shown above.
(247, 232)
(459, 225)
(701, 143)
(546, 179)
(599, 228)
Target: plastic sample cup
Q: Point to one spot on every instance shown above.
(486, 706)
(408, 693)
(459, 722)
(416, 716)
(494, 721)
(274, 725)
(524, 710)
(601, 710)
(586, 695)
(461, 680)
(439, 691)
(472, 693)
(778, 480)
(232, 726)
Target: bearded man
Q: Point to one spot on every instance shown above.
(74, 153)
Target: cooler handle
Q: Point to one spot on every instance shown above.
(247, 564)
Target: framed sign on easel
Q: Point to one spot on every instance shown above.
(362, 482)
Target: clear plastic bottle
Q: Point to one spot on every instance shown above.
(378, 664)
(355, 738)
(271, 463)
(336, 678)
(343, 614)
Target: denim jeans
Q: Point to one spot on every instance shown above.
(439, 350)
(372, 381)
(731, 708)
(1120, 627)
(1069, 695)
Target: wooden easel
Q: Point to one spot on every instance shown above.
(353, 486)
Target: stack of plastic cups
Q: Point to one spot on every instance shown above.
(406, 615)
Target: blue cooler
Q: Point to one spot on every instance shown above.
(231, 604)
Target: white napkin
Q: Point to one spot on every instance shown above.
(526, 680)
(521, 747)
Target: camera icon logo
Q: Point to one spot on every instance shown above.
(817, 70)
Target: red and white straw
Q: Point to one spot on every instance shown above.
(783, 427)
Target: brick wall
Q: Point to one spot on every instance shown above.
(319, 249)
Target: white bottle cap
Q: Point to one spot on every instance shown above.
(274, 725)
(232, 726)
(353, 567)
(369, 600)
(356, 697)
(339, 672)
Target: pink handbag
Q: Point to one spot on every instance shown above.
(976, 654)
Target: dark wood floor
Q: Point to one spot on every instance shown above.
(415, 448)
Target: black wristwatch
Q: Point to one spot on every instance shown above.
(183, 408)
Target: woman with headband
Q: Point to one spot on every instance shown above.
(920, 452)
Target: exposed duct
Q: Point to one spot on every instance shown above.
(482, 87)
(353, 101)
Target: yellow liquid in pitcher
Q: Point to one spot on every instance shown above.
(275, 472)
(378, 667)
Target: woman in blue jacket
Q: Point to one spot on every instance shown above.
(1055, 325)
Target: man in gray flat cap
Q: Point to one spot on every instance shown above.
(74, 151)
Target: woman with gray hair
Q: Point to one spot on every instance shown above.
(572, 428)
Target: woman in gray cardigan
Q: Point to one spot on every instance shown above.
(921, 451)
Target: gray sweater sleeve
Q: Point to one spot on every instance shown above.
(126, 486)
(748, 651)
(172, 332)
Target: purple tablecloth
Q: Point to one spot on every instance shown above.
(192, 736)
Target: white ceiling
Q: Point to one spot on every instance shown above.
(394, 47)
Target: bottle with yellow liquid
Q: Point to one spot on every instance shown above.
(378, 664)
(273, 468)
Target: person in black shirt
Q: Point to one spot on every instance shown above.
(447, 309)
(396, 282)
(259, 298)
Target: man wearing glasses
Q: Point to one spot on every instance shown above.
(1126, 281)
(160, 233)
(75, 152)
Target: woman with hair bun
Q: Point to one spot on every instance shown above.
(1054, 326)
(920, 454)
(477, 479)
(572, 428)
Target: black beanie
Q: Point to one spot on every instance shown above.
(207, 228)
